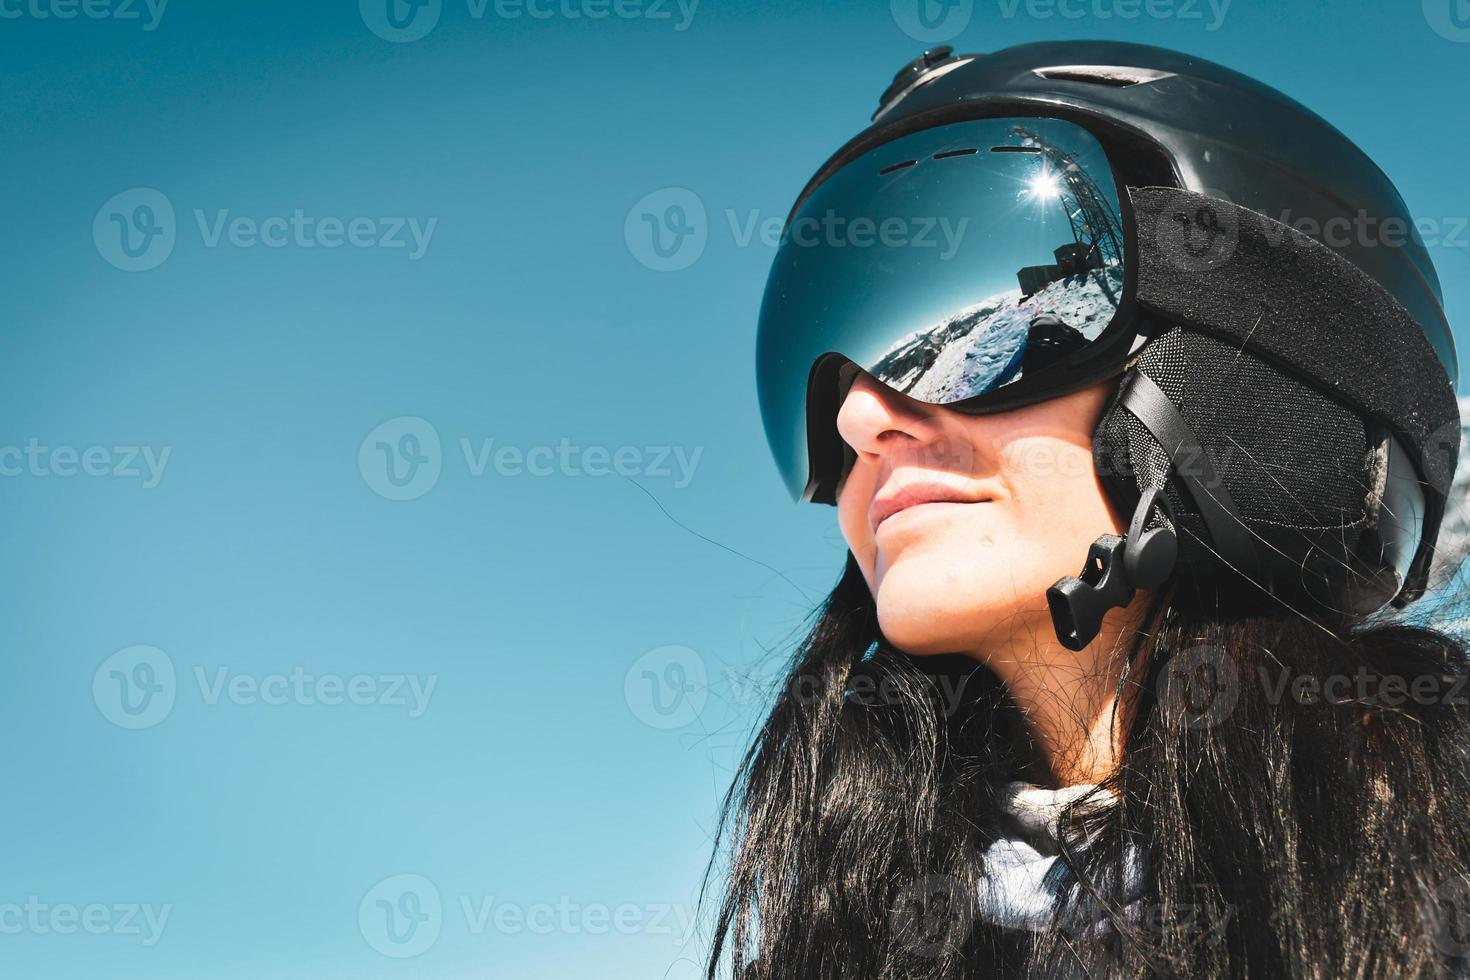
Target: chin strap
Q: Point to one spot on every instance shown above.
(1116, 566)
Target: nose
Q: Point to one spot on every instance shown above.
(875, 420)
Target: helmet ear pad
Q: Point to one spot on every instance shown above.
(1297, 466)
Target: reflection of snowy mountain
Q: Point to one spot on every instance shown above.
(1447, 602)
(981, 346)
(1454, 531)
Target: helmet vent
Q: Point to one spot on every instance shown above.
(1113, 76)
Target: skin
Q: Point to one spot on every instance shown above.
(969, 574)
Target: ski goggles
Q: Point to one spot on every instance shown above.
(982, 265)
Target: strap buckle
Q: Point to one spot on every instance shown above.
(1116, 567)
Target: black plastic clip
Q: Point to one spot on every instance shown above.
(1078, 603)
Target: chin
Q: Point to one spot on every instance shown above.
(928, 607)
(917, 637)
(940, 600)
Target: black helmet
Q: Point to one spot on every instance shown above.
(1285, 427)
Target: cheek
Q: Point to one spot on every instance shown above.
(1058, 497)
(852, 519)
(1045, 469)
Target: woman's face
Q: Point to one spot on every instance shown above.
(960, 523)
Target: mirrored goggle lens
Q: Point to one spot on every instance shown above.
(948, 263)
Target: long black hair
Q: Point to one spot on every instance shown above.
(1301, 792)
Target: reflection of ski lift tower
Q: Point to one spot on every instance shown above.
(1089, 203)
(1097, 237)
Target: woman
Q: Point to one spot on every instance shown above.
(1212, 752)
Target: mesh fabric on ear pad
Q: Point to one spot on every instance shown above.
(1296, 465)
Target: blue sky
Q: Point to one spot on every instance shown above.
(276, 709)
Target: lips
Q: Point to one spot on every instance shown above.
(888, 503)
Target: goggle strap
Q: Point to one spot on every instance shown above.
(1222, 269)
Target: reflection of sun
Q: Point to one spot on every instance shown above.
(1045, 186)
